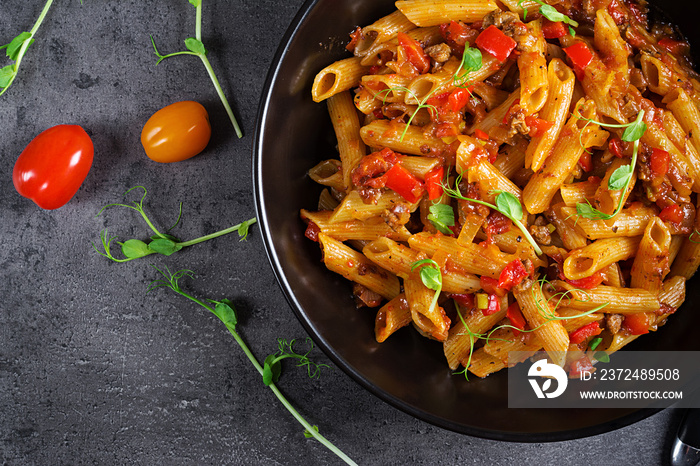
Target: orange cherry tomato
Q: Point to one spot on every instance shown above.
(176, 132)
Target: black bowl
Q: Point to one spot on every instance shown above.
(408, 371)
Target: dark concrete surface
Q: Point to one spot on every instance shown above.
(93, 370)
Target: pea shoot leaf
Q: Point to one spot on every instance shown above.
(619, 178)
(442, 217)
(430, 275)
(586, 210)
(164, 246)
(431, 278)
(196, 46)
(308, 434)
(196, 3)
(601, 356)
(272, 369)
(472, 61)
(243, 228)
(509, 205)
(225, 311)
(16, 44)
(551, 13)
(636, 129)
(6, 74)
(135, 248)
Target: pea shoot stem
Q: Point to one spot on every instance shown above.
(27, 42)
(196, 47)
(171, 282)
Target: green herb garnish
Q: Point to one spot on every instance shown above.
(472, 61)
(621, 177)
(552, 14)
(431, 277)
(225, 311)
(442, 217)
(16, 49)
(161, 243)
(506, 203)
(195, 47)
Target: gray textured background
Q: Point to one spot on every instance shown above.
(95, 371)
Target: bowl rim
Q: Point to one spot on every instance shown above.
(258, 146)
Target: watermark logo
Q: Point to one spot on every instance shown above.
(548, 371)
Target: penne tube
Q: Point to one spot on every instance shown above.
(482, 364)
(392, 316)
(435, 12)
(532, 64)
(606, 200)
(356, 230)
(538, 312)
(650, 265)
(616, 300)
(381, 31)
(472, 258)
(578, 136)
(586, 261)
(329, 173)
(560, 82)
(346, 125)
(354, 266)
(353, 207)
(629, 222)
(430, 319)
(340, 76)
(384, 133)
(464, 334)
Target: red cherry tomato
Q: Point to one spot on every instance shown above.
(50, 170)
(176, 132)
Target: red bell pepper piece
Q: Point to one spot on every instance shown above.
(617, 13)
(494, 42)
(538, 126)
(433, 182)
(585, 161)
(512, 274)
(615, 146)
(481, 134)
(354, 39)
(456, 32)
(674, 47)
(636, 324)
(465, 300)
(658, 162)
(404, 183)
(579, 366)
(446, 130)
(516, 317)
(579, 54)
(588, 282)
(312, 231)
(494, 305)
(507, 116)
(458, 99)
(584, 333)
(672, 213)
(414, 53)
(553, 29)
(490, 285)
